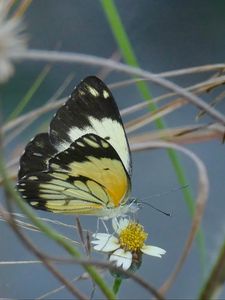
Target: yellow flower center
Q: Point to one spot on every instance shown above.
(132, 237)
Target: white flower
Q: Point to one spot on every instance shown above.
(128, 246)
(11, 40)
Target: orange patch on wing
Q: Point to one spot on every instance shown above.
(107, 172)
(116, 187)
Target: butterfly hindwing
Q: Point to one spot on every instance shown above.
(36, 155)
(91, 108)
(83, 179)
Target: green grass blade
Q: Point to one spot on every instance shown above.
(29, 94)
(128, 54)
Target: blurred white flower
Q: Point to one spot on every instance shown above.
(12, 40)
(128, 247)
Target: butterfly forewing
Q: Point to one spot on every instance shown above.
(83, 179)
(91, 108)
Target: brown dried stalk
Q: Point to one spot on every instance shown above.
(183, 135)
(67, 57)
(75, 292)
(203, 187)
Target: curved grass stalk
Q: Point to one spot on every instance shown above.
(130, 58)
(203, 189)
(216, 280)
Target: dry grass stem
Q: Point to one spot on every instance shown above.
(74, 291)
(31, 227)
(182, 135)
(197, 88)
(151, 117)
(203, 188)
(67, 57)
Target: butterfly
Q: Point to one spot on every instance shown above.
(83, 164)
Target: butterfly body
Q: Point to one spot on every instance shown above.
(83, 165)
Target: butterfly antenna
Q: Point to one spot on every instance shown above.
(167, 192)
(155, 208)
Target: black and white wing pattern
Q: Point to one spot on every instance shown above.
(83, 164)
(91, 108)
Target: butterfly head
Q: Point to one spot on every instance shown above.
(132, 205)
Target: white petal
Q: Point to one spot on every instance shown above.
(121, 258)
(153, 250)
(106, 245)
(123, 223)
(101, 235)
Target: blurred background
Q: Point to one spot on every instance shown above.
(165, 35)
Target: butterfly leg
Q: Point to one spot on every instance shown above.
(104, 224)
(97, 227)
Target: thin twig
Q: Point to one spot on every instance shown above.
(67, 57)
(152, 116)
(173, 73)
(20, 262)
(200, 87)
(24, 125)
(61, 287)
(31, 227)
(108, 265)
(105, 71)
(216, 279)
(74, 291)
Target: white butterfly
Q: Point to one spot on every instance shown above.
(83, 165)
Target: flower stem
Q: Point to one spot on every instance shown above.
(116, 285)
